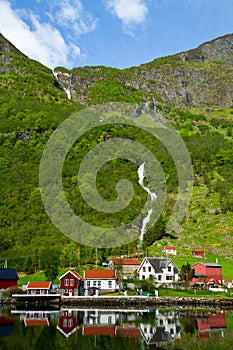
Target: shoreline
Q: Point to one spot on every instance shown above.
(128, 302)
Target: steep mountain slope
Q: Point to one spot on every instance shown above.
(199, 77)
(192, 89)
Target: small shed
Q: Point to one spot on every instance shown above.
(8, 278)
(37, 288)
(199, 253)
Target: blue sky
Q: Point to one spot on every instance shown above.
(116, 33)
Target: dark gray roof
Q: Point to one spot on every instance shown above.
(208, 264)
(160, 263)
(8, 274)
(161, 337)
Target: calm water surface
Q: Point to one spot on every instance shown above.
(115, 329)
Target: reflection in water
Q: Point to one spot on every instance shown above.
(147, 327)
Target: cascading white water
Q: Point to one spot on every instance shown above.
(68, 93)
(153, 196)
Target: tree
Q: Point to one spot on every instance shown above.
(50, 262)
(186, 273)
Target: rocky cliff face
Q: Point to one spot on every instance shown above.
(199, 77)
(202, 76)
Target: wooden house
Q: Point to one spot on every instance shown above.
(71, 283)
(8, 278)
(39, 288)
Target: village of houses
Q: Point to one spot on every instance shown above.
(161, 270)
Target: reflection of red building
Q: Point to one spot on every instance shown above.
(6, 326)
(68, 322)
(36, 319)
(208, 271)
(99, 330)
(70, 283)
(212, 322)
(128, 332)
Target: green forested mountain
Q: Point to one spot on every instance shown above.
(192, 89)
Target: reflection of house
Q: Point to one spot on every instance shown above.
(169, 249)
(36, 319)
(198, 253)
(6, 326)
(71, 283)
(8, 278)
(69, 321)
(96, 317)
(207, 272)
(105, 280)
(212, 322)
(165, 330)
(39, 288)
(162, 269)
(129, 265)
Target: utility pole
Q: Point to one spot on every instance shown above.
(5, 264)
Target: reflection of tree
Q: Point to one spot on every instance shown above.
(189, 324)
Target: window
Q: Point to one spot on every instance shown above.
(169, 278)
(94, 283)
(149, 268)
(169, 268)
(88, 283)
(65, 322)
(66, 291)
(109, 319)
(66, 282)
(109, 284)
(159, 277)
(42, 291)
(33, 291)
(99, 284)
(144, 269)
(143, 277)
(70, 323)
(72, 282)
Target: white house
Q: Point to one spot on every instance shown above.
(100, 280)
(169, 249)
(162, 269)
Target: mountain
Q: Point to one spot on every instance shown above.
(192, 89)
(199, 77)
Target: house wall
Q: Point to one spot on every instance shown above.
(211, 272)
(4, 284)
(163, 277)
(38, 291)
(129, 268)
(69, 284)
(103, 284)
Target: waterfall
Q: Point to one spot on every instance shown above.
(55, 74)
(68, 93)
(153, 196)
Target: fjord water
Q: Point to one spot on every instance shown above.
(115, 329)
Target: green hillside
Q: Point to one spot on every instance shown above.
(192, 90)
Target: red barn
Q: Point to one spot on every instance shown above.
(211, 271)
(8, 278)
(71, 283)
(39, 288)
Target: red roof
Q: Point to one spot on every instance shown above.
(99, 330)
(39, 285)
(198, 251)
(128, 332)
(100, 274)
(73, 272)
(36, 322)
(126, 261)
(170, 247)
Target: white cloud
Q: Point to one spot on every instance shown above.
(130, 12)
(40, 41)
(71, 14)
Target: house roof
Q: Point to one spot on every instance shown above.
(126, 261)
(8, 274)
(170, 247)
(99, 330)
(160, 263)
(39, 285)
(74, 273)
(100, 274)
(207, 264)
(35, 322)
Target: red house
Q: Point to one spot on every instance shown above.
(8, 278)
(39, 288)
(36, 319)
(198, 253)
(71, 283)
(208, 271)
